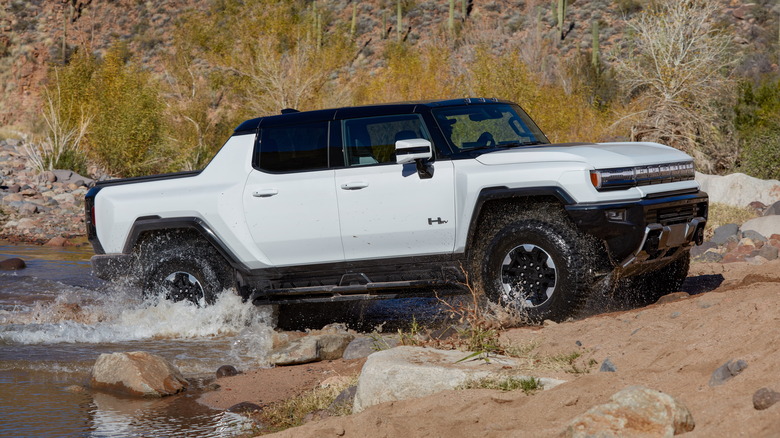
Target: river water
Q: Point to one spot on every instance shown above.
(56, 319)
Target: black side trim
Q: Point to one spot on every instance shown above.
(155, 223)
(494, 193)
(140, 179)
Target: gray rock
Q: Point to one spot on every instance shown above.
(138, 373)
(635, 411)
(726, 371)
(765, 225)
(754, 236)
(12, 264)
(227, 371)
(68, 176)
(345, 398)
(607, 366)
(698, 250)
(738, 189)
(408, 372)
(710, 257)
(768, 252)
(27, 209)
(312, 348)
(765, 398)
(723, 232)
(245, 408)
(363, 346)
(773, 209)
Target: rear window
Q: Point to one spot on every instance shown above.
(293, 148)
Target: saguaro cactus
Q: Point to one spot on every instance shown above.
(451, 20)
(399, 20)
(596, 51)
(353, 26)
(561, 15)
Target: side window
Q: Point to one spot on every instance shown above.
(372, 140)
(293, 148)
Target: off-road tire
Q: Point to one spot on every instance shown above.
(192, 271)
(645, 289)
(541, 253)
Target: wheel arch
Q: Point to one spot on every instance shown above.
(493, 198)
(146, 226)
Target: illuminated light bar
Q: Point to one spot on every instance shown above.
(627, 177)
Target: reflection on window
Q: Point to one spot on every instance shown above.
(372, 140)
(487, 126)
(294, 148)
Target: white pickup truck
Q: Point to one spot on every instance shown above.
(396, 199)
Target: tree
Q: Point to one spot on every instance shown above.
(679, 78)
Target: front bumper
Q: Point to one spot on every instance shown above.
(650, 231)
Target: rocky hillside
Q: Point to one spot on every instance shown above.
(37, 34)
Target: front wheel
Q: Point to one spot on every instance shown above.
(193, 273)
(542, 269)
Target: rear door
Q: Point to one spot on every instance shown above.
(290, 197)
(386, 209)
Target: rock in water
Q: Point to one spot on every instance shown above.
(633, 412)
(138, 374)
(12, 264)
(227, 371)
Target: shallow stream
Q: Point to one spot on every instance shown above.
(56, 319)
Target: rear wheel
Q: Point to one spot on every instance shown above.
(191, 271)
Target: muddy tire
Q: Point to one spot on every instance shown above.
(541, 268)
(646, 289)
(187, 271)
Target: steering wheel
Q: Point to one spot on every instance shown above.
(486, 139)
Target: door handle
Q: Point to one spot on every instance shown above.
(354, 185)
(265, 193)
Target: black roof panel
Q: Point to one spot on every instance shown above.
(356, 111)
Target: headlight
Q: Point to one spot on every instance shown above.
(627, 177)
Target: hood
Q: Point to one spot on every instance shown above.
(599, 155)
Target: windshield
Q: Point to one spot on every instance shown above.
(490, 126)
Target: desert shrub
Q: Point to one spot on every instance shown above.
(757, 120)
(126, 135)
(628, 7)
(677, 74)
(563, 116)
(410, 74)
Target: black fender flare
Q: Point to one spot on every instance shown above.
(155, 223)
(502, 192)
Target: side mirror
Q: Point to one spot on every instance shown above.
(409, 151)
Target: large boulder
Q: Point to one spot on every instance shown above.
(138, 374)
(68, 177)
(407, 372)
(636, 412)
(738, 189)
(312, 348)
(765, 225)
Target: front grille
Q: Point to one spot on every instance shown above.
(673, 215)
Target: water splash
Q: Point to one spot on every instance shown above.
(81, 316)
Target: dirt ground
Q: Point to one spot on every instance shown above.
(733, 313)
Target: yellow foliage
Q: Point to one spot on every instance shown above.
(411, 74)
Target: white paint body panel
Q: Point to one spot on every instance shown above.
(307, 218)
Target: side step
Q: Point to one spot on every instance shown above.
(368, 291)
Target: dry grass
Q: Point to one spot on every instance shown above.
(722, 214)
(291, 412)
(528, 385)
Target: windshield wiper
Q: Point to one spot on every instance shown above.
(515, 144)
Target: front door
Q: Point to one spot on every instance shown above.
(386, 209)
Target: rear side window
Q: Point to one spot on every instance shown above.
(372, 140)
(293, 148)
